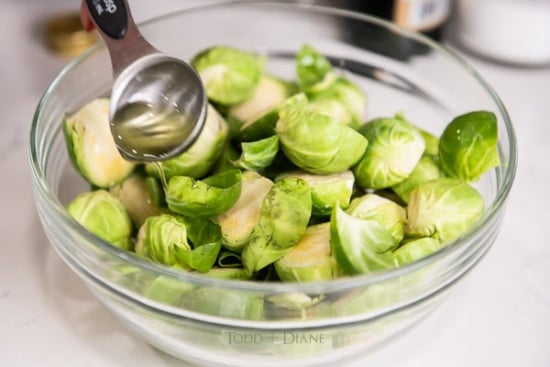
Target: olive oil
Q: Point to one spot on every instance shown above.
(143, 133)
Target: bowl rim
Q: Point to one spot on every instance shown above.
(345, 283)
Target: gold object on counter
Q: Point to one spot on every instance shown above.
(66, 37)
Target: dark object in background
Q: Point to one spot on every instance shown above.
(426, 16)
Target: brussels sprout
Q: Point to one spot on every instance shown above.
(91, 145)
(103, 215)
(318, 143)
(163, 239)
(201, 156)
(284, 216)
(415, 250)
(239, 221)
(444, 209)
(258, 154)
(135, 196)
(229, 75)
(264, 126)
(360, 246)
(327, 191)
(395, 147)
(270, 92)
(310, 259)
(468, 145)
(313, 70)
(209, 197)
(225, 303)
(391, 216)
(425, 170)
(171, 240)
(343, 100)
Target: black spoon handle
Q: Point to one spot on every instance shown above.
(119, 32)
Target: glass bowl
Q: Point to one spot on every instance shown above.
(246, 323)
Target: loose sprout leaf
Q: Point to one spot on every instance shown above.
(204, 198)
(258, 154)
(103, 215)
(468, 145)
(360, 246)
(232, 304)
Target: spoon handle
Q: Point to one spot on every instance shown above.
(119, 32)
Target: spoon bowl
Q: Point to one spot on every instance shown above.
(158, 103)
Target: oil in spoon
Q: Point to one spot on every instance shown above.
(143, 133)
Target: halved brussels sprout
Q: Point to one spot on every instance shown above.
(201, 156)
(163, 239)
(468, 145)
(360, 246)
(390, 215)
(284, 216)
(264, 126)
(259, 154)
(270, 92)
(445, 209)
(103, 215)
(416, 249)
(327, 191)
(395, 147)
(204, 198)
(318, 143)
(135, 196)
(91, 146)
(310, 259)
(426, 169)
(239, 221)
(229, 75)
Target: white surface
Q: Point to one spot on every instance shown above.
(498, 316)
(509, 30)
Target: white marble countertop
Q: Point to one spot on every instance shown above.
(499, 315)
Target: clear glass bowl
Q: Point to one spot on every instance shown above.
(223, 322)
